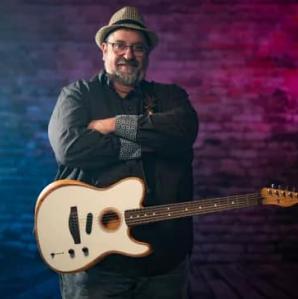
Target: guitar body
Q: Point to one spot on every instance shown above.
(76, 224)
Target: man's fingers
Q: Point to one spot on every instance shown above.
(103, 126)
(92, 124)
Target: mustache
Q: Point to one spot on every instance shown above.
(131, 62)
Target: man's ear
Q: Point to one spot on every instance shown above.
(103, 48)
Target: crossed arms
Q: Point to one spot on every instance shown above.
(79, 141)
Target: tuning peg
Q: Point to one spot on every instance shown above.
(272, 186)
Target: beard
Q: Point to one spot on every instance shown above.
(127, 79)
(128, 72)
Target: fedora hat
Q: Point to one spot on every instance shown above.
(126, 17)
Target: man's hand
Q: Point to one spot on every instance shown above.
(103, 126)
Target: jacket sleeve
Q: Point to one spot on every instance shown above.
(73, 143)
(171, 131)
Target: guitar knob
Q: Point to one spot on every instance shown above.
(85, 251)
(71, 253)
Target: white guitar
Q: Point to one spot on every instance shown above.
(76, 224)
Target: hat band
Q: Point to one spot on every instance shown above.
(129, 22)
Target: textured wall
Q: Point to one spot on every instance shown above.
(238, 62)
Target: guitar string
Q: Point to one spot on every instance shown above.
(222, 202)
(176, 211)
(173, 211)
(206, 204)
(177, 206)
(178, 214)
(193, 206)
(164, 215)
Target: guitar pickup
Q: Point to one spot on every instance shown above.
(73, 224)
(89, 223)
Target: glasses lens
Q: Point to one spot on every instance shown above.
(139, 48)
(120, 48)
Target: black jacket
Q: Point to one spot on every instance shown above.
(166, 139)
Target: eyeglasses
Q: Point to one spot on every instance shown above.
(121, 47)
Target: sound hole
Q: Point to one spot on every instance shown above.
(110, 220)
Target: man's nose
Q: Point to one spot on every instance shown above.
(129, 53)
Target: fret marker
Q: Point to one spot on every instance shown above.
(233, 202)
(215, 205)
(186, 209)
(145, 214)
(200, 207)
(169, 214)
(153, 213)
(138, 216)
(168, 209)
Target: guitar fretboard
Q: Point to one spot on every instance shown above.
(191, 208)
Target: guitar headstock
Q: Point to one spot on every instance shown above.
(279, 197)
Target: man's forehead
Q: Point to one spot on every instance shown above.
(127, 35)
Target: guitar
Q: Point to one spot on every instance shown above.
(76, 224)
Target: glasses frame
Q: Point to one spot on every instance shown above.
(126, 46)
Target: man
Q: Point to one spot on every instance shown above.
(118, 125)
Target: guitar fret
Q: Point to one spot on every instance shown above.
(158, 213)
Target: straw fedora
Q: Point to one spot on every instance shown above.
(127, 17)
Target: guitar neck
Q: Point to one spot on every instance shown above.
(191, 208)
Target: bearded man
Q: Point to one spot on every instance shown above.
(119, 125)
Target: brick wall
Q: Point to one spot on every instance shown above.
(238, 62)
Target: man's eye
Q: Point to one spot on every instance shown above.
(120, 46)
(139, 48)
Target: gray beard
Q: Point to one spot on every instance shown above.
(127, 79)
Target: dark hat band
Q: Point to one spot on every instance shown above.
(121, 22)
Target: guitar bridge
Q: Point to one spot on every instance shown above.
(73, 224)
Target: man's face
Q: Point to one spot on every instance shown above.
(127, 65)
